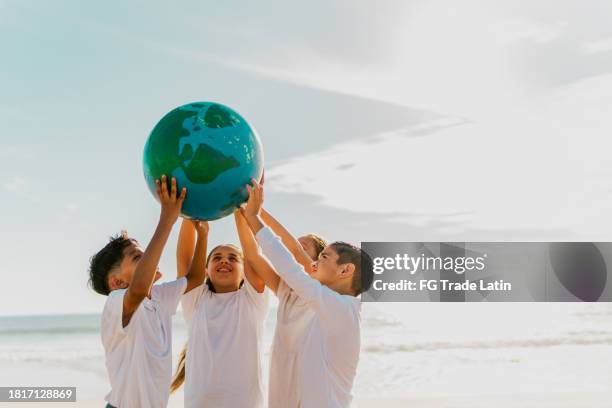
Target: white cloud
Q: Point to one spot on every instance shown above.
(512, 31)
(601, 45)
(14, 185)
(436, 56)
(442, 58)
(543, 166)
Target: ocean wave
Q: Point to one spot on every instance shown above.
(49, 325)
(49, 356)
(48, 330)
(380, 321)
(483, 345)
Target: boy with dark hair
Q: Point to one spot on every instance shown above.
(317, 340)
(136, 322)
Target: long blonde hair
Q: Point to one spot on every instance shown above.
(179, 375)
(318, 242)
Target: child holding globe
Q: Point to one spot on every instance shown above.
(317, 339)
(136, 326)
(221, 364)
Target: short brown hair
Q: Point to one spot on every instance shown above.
(108, 258)
(364, 271)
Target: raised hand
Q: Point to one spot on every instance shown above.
(171, 204)
(201, 227)
(255, 201)
(252, 209)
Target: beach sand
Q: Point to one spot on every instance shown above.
(92, 386)
(560, 400)
(557, 358)
(518, 400)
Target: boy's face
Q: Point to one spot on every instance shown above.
(308, 246)
(225, 268)
(328, 271)
(122, 276)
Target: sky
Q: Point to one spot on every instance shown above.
(392, 121)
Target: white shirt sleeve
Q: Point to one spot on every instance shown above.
(331, 303)
(169, 293)
(189, 301)
(259, 300)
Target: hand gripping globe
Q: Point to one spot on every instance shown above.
(210, 149)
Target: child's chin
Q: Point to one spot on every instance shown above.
(321, 279)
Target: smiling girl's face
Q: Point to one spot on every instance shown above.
(225, 268)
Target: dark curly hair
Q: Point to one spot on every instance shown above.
(108, 258)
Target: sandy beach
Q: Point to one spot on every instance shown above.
(554, 356)
(560, 400)
(92, 386)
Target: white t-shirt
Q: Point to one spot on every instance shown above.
(317, 339)
(223, 362)
(139, 356)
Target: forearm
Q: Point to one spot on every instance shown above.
(287, 267)
(185, 248)
(292, 244)
(289, 240)
(197, 270)
(252, 255)
(247, 242)
(144, 274)
(255, 223)
(142, 280)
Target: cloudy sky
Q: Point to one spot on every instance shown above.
(406, 120)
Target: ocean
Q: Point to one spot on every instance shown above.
(409, 349)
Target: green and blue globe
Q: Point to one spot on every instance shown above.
(210, 149)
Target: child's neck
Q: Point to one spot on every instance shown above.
(341, 288)
(227, 289)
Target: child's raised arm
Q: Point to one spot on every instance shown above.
(292, 244)
(259, 265)
(197, 270)
(185, 247)
(144, 274)
(292, 273)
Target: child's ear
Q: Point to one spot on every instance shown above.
(348, 270)
(114, 282)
